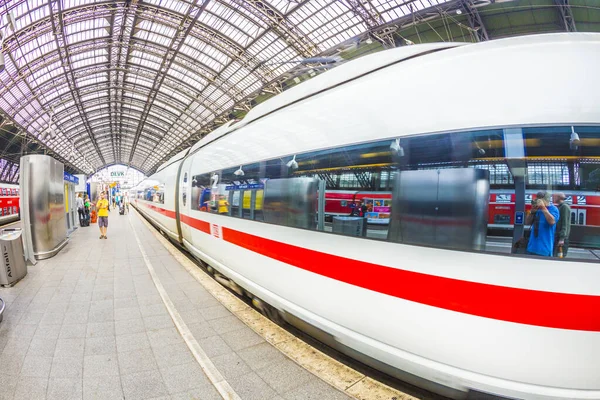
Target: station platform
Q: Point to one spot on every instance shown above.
(122, 318)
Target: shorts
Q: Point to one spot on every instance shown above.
(103, 222)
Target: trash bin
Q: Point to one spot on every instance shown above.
(350, 226)
(12, 267)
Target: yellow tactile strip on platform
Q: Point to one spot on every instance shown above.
(335, 373)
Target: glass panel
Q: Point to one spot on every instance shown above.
(520, 191)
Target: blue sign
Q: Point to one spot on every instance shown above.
(519, 217)
(70, 178)
(247, 186)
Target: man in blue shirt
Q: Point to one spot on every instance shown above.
(543, 218)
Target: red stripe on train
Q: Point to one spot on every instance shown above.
(523, 306)
(160, 210)
(196, 223)
(192, 222)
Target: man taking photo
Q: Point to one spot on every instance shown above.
(102, 207)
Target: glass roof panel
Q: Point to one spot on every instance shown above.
(231, 52)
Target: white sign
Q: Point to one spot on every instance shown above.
(216, 231)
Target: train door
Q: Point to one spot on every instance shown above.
(185, 197)
(578, 216)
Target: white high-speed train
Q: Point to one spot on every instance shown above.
(430, 298)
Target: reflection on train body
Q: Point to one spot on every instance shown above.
(369, 173)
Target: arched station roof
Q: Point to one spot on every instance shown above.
(132, 82)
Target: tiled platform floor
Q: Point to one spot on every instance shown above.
(90, 324)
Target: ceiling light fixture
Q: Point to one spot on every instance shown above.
(215, 180)
(293, 164)
(396, 148)
(239, 172)
(574, 140)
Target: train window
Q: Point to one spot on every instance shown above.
(234, 192)
(201, 191)
(155, 194)
(457, 190)
(184, 189)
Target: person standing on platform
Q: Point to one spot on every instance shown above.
(563, 226)
(80, 209)
(543, 218)
(363, 209)
(102, 207)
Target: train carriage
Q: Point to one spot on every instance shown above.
(427, 297)
(9, 203)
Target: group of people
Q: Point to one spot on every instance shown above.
(83, 208)
(550, 225)
(359, 209)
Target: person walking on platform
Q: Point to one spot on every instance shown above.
(102, 207)
(80, 209)
(563, 226)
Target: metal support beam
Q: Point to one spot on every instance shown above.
(60, 34)
(186, 26)
(372, 19)
(15, 174)
(475, 21)
(4, 170)
(279, 24)
(566, 15)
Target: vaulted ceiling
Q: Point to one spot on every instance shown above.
(131, 82)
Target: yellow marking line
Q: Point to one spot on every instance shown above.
(215, 377)
(335, 373)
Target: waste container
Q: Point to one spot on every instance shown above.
(350, 226)
(12, 267)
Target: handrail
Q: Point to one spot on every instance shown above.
(2, 307)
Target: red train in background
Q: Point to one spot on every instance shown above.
(585, 206)
(9, 203)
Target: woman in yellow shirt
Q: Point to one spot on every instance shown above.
(223, 205)
(102, 207)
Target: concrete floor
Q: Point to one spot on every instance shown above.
(90, 324)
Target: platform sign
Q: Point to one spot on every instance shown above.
(519, 217)
(70, 178)
(247, 186)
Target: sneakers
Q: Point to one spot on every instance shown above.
(103, 237)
